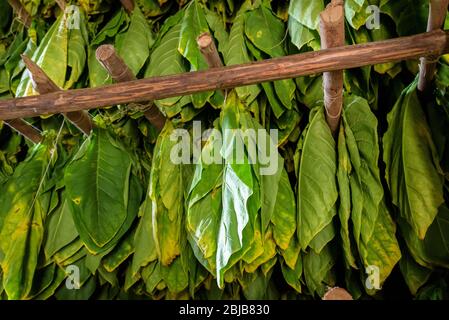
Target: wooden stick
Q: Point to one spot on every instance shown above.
(119, 71)
(332, 33)
(43, 84)
(293, 66)
(128, 5)
(427, 67)
(25, 129)
(21, 12)
(209, 51)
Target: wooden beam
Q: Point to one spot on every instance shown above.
(341, 58)
(21, 12)
(43, 84)
(120, 72)
(332, 34)
(427, 67)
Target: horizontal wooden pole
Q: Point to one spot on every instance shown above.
(347, 57)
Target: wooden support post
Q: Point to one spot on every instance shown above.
(427, 67)
(293, 66)
(43, 84)
(120, 72)
(128, 5)
(332, 33)
(22, 14)
(25, 129)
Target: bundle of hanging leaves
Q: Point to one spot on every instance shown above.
(110, 216)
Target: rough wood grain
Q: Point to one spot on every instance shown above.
(43, 84)
(21, 12)
(25, 129)
(293, 66)
(427, 67)
(119, 71)
(332, 34)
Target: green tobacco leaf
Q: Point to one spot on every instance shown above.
(166, 194)
(300, 35)
(356, 13)
(144, 245)
(218, 27)
(111, 29)
(318, 270)
(267, 33)
(344, 209)
(306, 12)
(268, 87)
(317, 187)
(22, 212)
(414, 275)
(76, 50)
(373, 228)
(194, 24)
(166, 60)
(51, 56)
(433, 250)
(382, 249)
(120, 253)
(98, 183)
(60, 229)
(237, 53)
(412, 165)
(135, 45)
(360, 127)
(284, 214)
(229, 193)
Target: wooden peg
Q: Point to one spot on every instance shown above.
(427, 67)
(209, 51)
(128, 5)
(25, 129)
(21, 12)
(120, 72)
(337, 293)
(332, 32)
(43, 84)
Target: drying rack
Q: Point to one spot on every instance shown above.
(127, 89)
